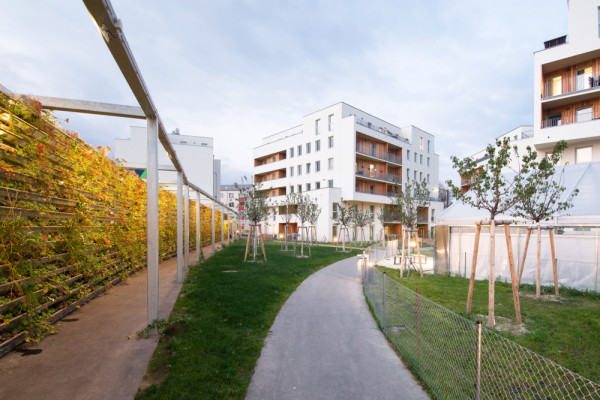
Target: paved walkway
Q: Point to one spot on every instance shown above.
(96, 353)
(324, 344)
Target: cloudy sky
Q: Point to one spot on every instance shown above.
(239, 70)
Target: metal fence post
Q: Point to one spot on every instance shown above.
(478, 365)
(383, 319)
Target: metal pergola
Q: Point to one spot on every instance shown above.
(111, 29)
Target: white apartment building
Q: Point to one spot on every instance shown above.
(230, 195)
(195, 153)
(341, 152)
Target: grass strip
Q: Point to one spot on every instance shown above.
(565, 330)
(210, 345)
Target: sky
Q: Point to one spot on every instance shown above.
(240, 70)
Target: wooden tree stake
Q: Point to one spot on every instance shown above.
(402, 262)
(262, 243)
(513, 279)
(538, 289)
(248, 242)
(492, 275)
(553, 254)
(524, 255)
(419, 252)
(473, 268)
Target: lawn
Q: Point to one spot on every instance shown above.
(565, 330)
(215, 334)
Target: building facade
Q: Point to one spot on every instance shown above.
(195, 153)
(342, 153)
(231, 195)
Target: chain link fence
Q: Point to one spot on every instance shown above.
(451, 354)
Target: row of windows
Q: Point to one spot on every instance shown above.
(329, 124)
(309, 186)
(415, 175)
(420, 156)
(308, 147)
(298, 168)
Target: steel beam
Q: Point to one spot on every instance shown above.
(152, 219)
(87, 107)
(179, 227)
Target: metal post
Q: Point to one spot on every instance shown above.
(152, 217)
(213, 228)
(596, 263)
(198, 241)
(418, 322)
(186, 227)
(179, 226)
(383, 319)
(478, 363)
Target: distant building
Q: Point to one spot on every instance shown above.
(231, 196)
(342, 153)
(195, 153)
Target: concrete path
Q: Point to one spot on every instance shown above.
(324, 344)
(96, 353)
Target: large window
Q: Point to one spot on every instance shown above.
(584, 77)
(583, 155)
(583, 114)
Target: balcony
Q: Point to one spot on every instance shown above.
(376, 192)
(570, 119)
(380, 155)
(378, 175)
(561, 91)
(380, 129)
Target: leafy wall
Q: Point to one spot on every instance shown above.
(72, 222)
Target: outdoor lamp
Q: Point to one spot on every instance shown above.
(413, 244)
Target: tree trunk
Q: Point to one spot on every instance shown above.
(538, 286)
(513, 277)
(491, 301)
(524, 256)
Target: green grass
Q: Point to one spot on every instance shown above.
(565, 331)
(220, 321)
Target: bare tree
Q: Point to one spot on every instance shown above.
(343, 218)
(304, 209)
(313, 217)
(287, 210)
(385, 216)
(361, 218)
(256, 210)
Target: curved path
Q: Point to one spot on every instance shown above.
(325, 344)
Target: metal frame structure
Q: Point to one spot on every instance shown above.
(112, 31)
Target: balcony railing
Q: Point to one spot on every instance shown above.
(570, 84)
(555, 42)
(380, 129)
(361, 148)
(376, 192)
(385, 176)
(569, 119)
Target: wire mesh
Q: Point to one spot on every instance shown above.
(441, 347)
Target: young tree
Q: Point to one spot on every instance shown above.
(385, 216)
(415, 196)
(313, 217)
(304, 209)
(361, 219)
(495, 192)
(538, 197)
(343, 218)
(256, 210)
(287, 209)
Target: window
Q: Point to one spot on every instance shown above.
(273, 176)
(583, 155)
(408, 173)
(516, 137)
(231, 204)
(584, 78)
(598, 21)
(330, 122)
(371, 232)
(330, 140)
(307, 148)
(427, 178)
(428, 145)
(330, 183)
(308, 168)
(317, 185)
(372, 211)
(421, 143)
(317, 126)
(299, 188)
(554, 86)
(308, 187)
(291, 171)
(554, 120)
(318, 145)
(317, 166)
(299, 168)
(415, 175)
(299, 150)
(291, 188)
(428, 161)
(335, 211)
(415, 157)
(273, 159)
(408, 155)
(421, 176)
(421, 159)
(231, 195)
(291, 152)
(330, 163)
(583, 114)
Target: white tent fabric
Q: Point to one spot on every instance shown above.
(585, 210)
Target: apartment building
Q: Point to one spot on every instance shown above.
(230, 195)
(343, 153)
(566, 94)
(195, 153)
